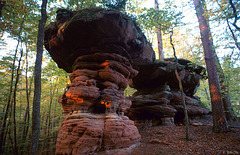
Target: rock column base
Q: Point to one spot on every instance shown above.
(85, 133)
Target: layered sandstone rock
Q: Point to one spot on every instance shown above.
(98, 83)
(158, 100)
(86, 133)
(97, 46)
(94, 105)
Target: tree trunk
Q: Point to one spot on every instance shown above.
(159, 36)
(181, 90)
(14, 104)
(219, 118)
(37, 80)
(225, 97)
(52, 93)
(26, 114)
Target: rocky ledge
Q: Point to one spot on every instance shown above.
(157, 100)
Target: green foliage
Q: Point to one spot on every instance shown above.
(81, 4)
(21, 22)
(115, 4)
(54, 81)
(160, 133)
(232, 70)
(5, 72)
(129, 91)
(203, 93)
(225, 15)
(166, 18)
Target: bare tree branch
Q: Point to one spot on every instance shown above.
(235, 15)
(229, 27)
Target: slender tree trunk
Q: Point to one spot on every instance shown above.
(10, 137)
(53, 116)
(26, 114)
(46, 125)
(181, 90)
(207, 94)
(159, 35)
(8, 131)
(37, 80)
(225, 97)
(49, 111)
(219, 118)
(14, 104)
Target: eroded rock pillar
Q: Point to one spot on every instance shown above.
(94, 103)
(96, 46)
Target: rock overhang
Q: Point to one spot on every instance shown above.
(95, 30)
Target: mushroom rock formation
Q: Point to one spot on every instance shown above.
(158, 100)
(98, 47)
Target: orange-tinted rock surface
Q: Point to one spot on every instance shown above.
(98, 87)
(94, 105)
(97, 46)
(86, 133)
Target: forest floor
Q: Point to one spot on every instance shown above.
(172, 140)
